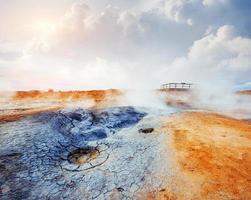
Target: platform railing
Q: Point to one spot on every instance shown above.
(176, 86)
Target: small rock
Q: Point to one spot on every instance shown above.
(76, 116)
(120, 189)
(146, 130)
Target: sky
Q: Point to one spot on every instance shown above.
(129, 44)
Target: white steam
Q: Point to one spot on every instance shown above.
(142, 98)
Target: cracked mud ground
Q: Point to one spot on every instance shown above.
(77, 154)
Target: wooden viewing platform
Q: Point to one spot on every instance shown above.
(176, 86)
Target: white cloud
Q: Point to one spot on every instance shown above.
(175, 10)
(192, 12)
(9, 52)
(219, 56)
(130, 23)
(70, 30)
(130, 44)
(86, 34)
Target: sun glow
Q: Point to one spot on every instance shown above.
(43, 27)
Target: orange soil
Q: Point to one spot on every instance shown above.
(213, 153)
(245, 92)
(163, 194)
(99, 98)
(97, 95)
(19, 113)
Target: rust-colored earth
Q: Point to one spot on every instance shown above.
(244, 92)
(213, 154)
(97, 95)
(16, 114)
(53, 100)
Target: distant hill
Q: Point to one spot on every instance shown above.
(244, 92)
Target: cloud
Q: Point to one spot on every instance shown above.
(114, 34)
(123, 33)
(175, 10)
(98, 74)
(220, 56)
(70, 29)
(130, 23)
(137, 44)
(85, 34)
(9, 52)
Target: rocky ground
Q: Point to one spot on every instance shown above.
(123, 152)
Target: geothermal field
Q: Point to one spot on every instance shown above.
(111, 144)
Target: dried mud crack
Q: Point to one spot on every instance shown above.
(75, 154)
(124, 153)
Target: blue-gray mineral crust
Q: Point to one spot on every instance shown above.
(74, 154)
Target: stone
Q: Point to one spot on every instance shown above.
(146, 130)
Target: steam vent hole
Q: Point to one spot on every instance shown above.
(83, 155)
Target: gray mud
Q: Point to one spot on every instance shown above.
(78, 154)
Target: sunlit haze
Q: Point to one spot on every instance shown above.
(138, 44)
